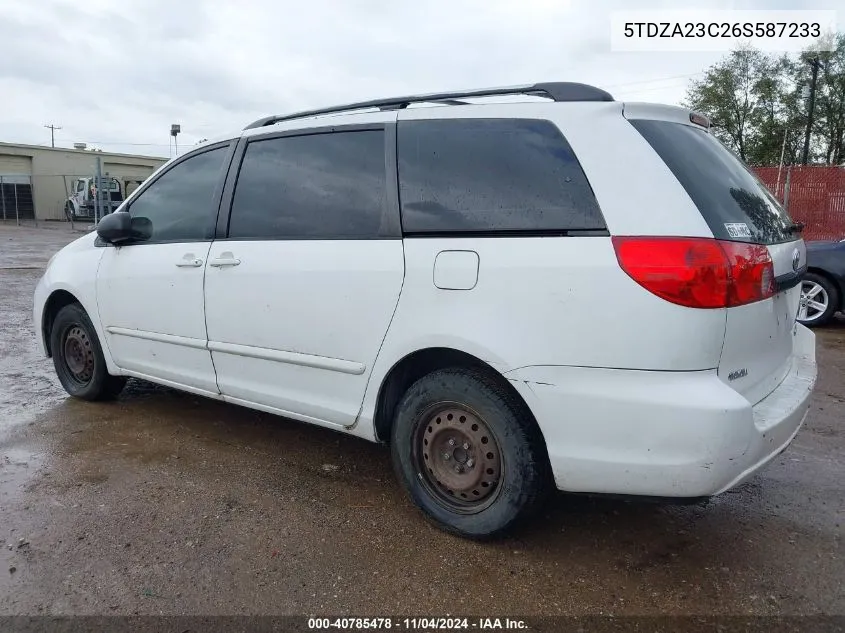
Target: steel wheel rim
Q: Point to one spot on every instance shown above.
(457, 458)
(78, 355)
(814, 301)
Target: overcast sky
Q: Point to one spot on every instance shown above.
(117, 73)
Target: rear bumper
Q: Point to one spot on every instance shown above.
(778, 417)
(668, 434)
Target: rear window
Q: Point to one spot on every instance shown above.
(491, 175)
(732, 200)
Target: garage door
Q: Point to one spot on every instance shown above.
(11, 165)
(16, 187)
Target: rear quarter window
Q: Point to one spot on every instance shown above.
(731, 199)
(491, 175)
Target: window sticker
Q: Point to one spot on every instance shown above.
(737, 229)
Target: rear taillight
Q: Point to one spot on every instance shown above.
(698, 272)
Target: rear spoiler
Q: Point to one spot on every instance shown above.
(659, 112)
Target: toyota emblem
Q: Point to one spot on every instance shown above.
(796, 260)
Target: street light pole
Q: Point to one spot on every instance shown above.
(174, 131)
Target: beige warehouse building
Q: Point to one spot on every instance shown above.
(35, 181)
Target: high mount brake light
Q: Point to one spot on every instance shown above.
(699, 119)
(698, 272)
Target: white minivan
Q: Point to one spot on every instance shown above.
(562, 290)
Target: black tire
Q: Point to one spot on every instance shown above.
(69, 214)
(825, 316)
(519, 476)
(78, 357)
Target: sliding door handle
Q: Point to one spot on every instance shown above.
(224, 261)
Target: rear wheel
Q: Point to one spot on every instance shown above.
(468, 453)
(78, 357)
(819, 300)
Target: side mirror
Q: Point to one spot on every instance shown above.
(142, 228)
(120, 227)
(115, 228)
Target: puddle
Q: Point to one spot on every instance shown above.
(28, 383)
(17, 467)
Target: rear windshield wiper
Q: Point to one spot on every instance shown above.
(795, 227)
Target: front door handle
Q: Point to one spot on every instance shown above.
(225, 259)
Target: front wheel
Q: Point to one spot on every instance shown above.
(468, 453)
(69, 214)
(819, 300)
(78, 357)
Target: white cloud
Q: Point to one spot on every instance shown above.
(117, 73)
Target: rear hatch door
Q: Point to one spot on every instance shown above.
(737, 207)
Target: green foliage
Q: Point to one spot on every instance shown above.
(757, 104)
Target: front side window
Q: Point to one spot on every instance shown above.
(80, 185)
(319, 186)
(180, 205)
(491, 175)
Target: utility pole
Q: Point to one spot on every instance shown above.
(814, 62)
(53, 129)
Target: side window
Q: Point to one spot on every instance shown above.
(80, 185)
(329, 186)
(477, 175)
(180, 204)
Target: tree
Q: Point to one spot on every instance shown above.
(830, 103)
(734, 92)
(757, 101)
(773, 114)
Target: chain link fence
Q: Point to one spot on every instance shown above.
(813, 195)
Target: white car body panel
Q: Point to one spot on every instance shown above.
(758, 335)
(152, 310)
(73, 269)
(520, 281)
(668, 434)
(318, 312)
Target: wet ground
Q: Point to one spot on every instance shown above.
(163, 502)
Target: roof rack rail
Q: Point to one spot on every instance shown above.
(557, 91)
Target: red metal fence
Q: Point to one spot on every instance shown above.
(813, 195)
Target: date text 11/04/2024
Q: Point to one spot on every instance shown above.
(416, 624)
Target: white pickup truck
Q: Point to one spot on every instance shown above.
(82, 201)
